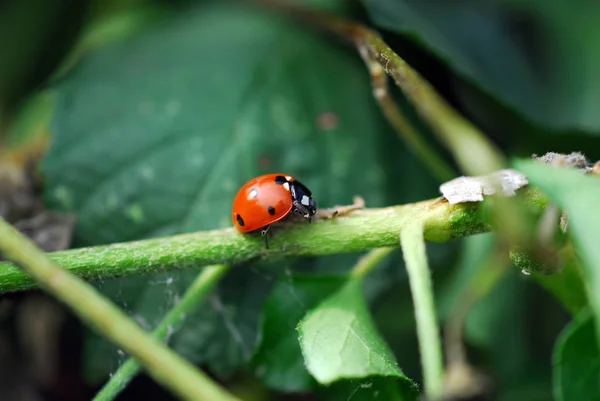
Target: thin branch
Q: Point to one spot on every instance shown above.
(359, 231)
(194, 295)
(162, 364)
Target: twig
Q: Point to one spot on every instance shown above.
(162, 364)
(194, 295)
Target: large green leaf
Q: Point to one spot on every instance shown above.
(555, 86)
(578, 195)
(340, 341)
(154, 134)
(577, 362)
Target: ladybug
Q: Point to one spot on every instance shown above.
(269, 198)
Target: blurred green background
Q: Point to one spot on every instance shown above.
(153, 113)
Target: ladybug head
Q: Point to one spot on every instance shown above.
(304, 204)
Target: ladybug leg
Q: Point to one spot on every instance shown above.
(301, 210)
(265, 233)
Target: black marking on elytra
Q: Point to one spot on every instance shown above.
(280, 180)
(271, 210)
(240, 220)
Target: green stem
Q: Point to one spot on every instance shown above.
(368, 262)
(428, 332)
(194, 295)
(166, 367)
(359, 231)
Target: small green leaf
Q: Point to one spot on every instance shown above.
(278, 359)
(577, 362)
(340, 341)
(579, 196)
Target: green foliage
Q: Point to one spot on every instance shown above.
(577, 362)
(154, 134)
(555, 86)
(486, 325)
(26, 30)
(199, 139)
(578, 196)
(32, 124)
(278, 359)
(159, 113)
(475, 250)
(221, 335)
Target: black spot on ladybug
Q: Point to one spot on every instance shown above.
(271, 210)
(280, 180)
(240, 220)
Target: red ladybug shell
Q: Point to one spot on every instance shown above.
(262, 201)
